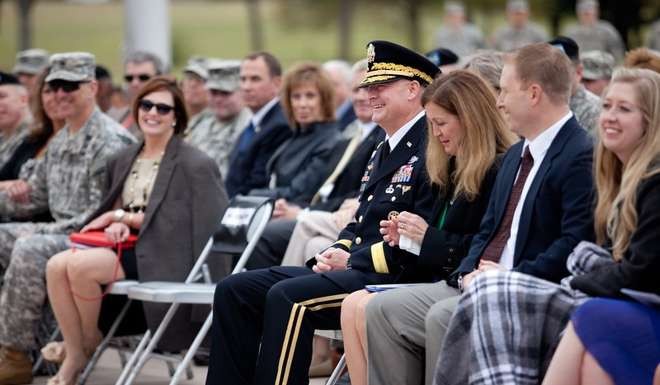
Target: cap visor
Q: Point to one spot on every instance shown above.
(66, 75)
(378, 79)
(23, 69)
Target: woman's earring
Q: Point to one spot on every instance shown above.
(173, 124)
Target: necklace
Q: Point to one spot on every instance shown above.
(136, 206)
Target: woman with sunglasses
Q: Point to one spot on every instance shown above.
(161, 189)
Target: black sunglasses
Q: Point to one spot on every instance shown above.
(161, 108)
(64, 85)
(140, 77)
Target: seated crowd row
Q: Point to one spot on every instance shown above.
(419, 177)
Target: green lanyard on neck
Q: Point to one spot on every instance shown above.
(441, 221)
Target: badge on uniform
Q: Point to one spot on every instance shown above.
(403, 174)
(389, 190)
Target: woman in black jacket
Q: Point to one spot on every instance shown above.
(300, 165)
(466, 137)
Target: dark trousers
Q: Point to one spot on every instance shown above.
(271, 247)
(280, 308)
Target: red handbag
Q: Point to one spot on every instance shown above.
(97, 238)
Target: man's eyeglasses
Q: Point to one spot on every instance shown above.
(64, 85)
(141, 77)
(161, 108)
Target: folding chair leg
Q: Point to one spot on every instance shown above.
(336, 373)
(104, 344)
(131, 362)
(40, 360)
(199, 338)
(144, 356)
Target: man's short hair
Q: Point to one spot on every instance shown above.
(144, 57)
(274, 66)
(546, 66)
(340, 66)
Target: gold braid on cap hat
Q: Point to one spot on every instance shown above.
(398, 70)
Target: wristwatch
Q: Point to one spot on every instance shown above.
(118, 215)
(461, 288)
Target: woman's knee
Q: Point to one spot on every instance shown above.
(349, 307)
(361, 308)
(57, 264)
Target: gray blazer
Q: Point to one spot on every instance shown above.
(184, 209)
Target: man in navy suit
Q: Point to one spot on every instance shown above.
(260, 81)
(539, 209)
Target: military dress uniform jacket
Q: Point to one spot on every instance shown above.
(399, 184)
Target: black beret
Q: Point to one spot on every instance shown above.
(442, 57)
(568, 45)
(7, 78)
(388, 61)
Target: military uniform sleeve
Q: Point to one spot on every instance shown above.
(98, 183)
(38, 203)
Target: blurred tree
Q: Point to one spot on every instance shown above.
(24, 24)
(255, 22)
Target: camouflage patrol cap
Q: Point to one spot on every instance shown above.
(31, 61)
(517, 6)
(197, 66)
(223, 75)
(586, 5)
(597, 65)
(72, 67)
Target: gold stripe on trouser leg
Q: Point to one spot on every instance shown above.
(285, 344)
(293, 341)
(293, 326)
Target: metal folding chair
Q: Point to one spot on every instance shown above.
(240, 229)
(341, 365)
(117, 288)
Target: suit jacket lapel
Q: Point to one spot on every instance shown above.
(400, 155)
(528, 206)
(161, 184)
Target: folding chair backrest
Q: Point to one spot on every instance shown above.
(241, 227)
(232, 234)
(242, 224)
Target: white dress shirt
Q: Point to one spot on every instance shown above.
(259, 115)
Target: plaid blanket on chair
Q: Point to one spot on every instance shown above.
(507, 324)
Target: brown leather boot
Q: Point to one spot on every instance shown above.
(15, 367)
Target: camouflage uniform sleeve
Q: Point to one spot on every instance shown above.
(38, 203)
(98, 176)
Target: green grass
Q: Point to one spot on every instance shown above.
(217, 29)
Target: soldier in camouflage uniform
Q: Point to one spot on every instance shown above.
(519, 31)
(15, 116)
(598, 67)
(193, 86)
(217, 136)
(593, 34)
(69, 181)
(584, 104)
(456, 33)
(29, 64)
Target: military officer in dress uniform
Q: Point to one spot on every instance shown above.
(263, 328)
